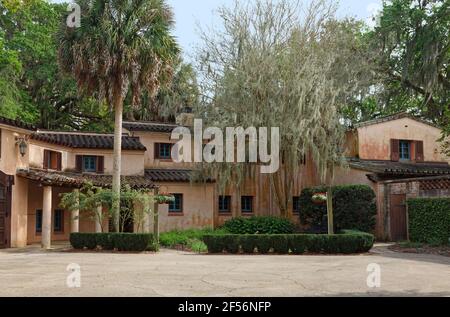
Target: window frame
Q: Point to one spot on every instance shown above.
(94, 160)
(296, 203)
(401, 150)
(61, 213)
(222, 199)
(179, 211)
(247, 211)
(38, 215)
(158, 147)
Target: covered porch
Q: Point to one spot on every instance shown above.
(47, 222)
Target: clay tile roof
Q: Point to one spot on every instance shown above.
(171, 175)
(393, 117)
(17, 124)
(75, 180)
(88, 141)
(400, 168)
(149, 126)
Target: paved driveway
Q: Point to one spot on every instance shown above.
(31, 272)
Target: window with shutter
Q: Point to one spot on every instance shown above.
(79, 163)
(100, 164)
(52, 160)
(395, 150)
(419, 151)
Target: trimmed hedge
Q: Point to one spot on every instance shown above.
(354, 207)
(429, 220)
(259, 225)
(113, 241)
(347, 243)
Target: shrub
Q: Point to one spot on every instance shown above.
(354, 207)
(259, 225)
(113, 241)
(347, 243)
(173, 238)
(429, 220)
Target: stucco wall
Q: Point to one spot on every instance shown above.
(198, 206)
(375, 140)
(132, 161)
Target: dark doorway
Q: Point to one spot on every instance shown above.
(6, 182)
(398, 218)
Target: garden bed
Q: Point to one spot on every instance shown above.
(125, 242)
(419, 248)
(346, 243)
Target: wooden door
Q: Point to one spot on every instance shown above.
(3, 217)
(398, 218)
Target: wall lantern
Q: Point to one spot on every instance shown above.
(22, 143)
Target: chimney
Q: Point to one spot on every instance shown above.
(186, 117)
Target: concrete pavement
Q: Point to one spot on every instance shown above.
(32, 272)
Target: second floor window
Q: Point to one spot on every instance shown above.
(405, 150)
(52, 160)
(224, 204)
(163, 151)
(89, 164)
(247, 204)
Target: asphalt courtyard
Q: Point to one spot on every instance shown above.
(32, 272)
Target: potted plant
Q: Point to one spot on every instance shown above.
(319, 198)
(164, 198)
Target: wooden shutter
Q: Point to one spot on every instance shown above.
(100, 164)
(79, 163)
(46, 159)
(395, 150)
(419, 151)
(59, 161)
(156, 156)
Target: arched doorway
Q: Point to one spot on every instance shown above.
(6, 183)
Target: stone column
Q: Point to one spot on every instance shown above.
(75, 216)
(47, 218)
(98, 216)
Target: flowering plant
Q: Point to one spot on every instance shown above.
(164, 198)
(319, 198)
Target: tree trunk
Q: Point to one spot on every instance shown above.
(117, 163)
(156, 219)
(330, 210)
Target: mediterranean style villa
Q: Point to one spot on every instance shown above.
(398, 156)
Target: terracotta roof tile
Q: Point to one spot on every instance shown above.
(65, 179)
(149, 126)
(171, 175)
(17, 124)
(400, 168)
(88, 141)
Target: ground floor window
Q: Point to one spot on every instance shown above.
(247, 204)
(296, 204)
(39, 221)
(224, 204)
(58, 223)
(176, 206)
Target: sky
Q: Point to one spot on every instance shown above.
(189, 14)
(192, 14)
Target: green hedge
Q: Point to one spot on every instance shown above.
(259, 225)
(347, 243)
(354, 207)
(113, 241)
(429, 220)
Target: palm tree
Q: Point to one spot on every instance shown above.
(121, 49)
